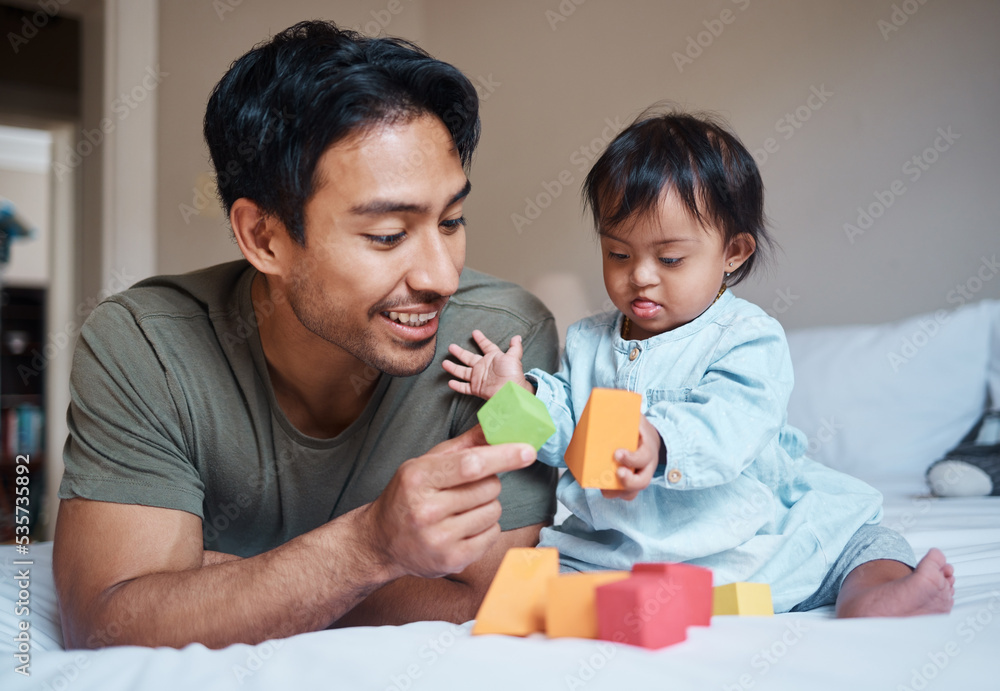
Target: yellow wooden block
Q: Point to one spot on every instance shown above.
(515, 601)
(571, 603)
(744, 599)
(610, 421)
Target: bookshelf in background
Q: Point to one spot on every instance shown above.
(22, 401)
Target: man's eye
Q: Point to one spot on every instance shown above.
(453, 223)
(387, 240)
(669, 262)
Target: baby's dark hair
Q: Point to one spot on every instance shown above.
(697, 156)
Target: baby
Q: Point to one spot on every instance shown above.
(719, 479)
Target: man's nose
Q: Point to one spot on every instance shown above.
(434, 265)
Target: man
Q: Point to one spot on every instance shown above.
(270, 446)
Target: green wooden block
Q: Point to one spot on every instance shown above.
(514, 415)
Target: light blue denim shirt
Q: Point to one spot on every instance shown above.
(737, 495)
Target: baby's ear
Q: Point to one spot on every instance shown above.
(739, 250)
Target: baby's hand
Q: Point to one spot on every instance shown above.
(637, 467)
(484, 374)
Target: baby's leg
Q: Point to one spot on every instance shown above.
(887, 588)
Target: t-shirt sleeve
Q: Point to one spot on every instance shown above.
(125, 440)
(527, 496)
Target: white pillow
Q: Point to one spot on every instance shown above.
(889, 400)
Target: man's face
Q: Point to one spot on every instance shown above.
(385, 244)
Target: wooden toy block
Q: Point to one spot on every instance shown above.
(643, 610)
(514, 415)
(515, 602)
(691, 584)
(571, 603)
(610, 421)
(744, 599)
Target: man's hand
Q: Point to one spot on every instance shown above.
(439, 512)
(483, 375)
(637, 467)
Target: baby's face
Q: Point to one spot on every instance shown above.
(666, 270)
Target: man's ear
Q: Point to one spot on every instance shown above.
(739, 250)
(261, 237)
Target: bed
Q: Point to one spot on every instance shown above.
(881, 402)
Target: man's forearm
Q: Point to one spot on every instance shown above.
(303, 585)
(416, 599)
(453, 598)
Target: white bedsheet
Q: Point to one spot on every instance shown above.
(793, 651)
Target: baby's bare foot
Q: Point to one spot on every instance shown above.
(929, 589)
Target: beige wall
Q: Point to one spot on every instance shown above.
(553, 87)
(197, 45)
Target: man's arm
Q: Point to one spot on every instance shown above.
(452, 598)
(132, 575)
(128, 574)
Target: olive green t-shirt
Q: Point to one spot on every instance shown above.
(171, 406)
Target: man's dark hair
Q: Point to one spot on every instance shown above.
(712, 172)
(284, 103)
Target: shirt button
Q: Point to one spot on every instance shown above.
(634, 354)
(674, 476)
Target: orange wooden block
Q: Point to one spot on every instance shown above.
(515, 601)
(610, 421)
(571, 603)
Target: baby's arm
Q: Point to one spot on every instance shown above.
(483, 375)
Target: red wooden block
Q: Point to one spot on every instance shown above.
(639, 611)
(692, 584)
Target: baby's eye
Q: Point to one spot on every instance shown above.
(616, 256)
(669, 262)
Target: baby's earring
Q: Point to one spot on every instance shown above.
(729, 273)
